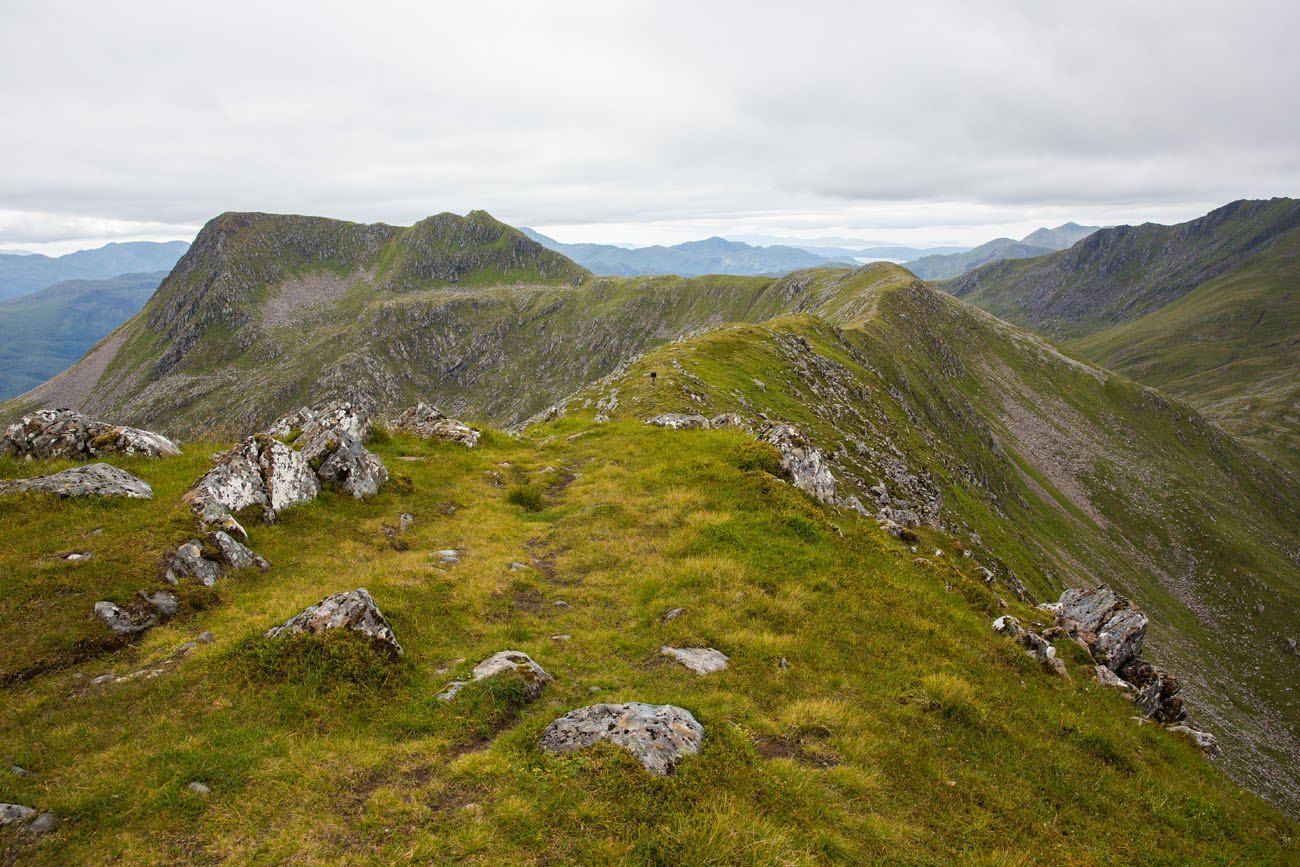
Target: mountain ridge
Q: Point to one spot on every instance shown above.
(28, 272)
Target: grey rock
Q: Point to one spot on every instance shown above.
(1206, 741)
(1008, 626)
(404, 522)
(76, 556)
(802, 461)
(701, 660)
(1106, 677)
(11, 814)
(1156, 692)
(679, 421)
(236, 555)
(560, 603)
(44, 823)
(672, 614)
(1042, 650)
(20, 772)
(344, 463)
(205, 638)
(198, 788)
(66, 433)
(447, 556)
(516, 566)
(729, 419)
(564, 636)
(657, 735)
(354, 610)
(97, 480)
(189, 564)
(103, 678)
(121, 621)
(260, 471)
(163, 603)
(427, 422)
(534, 675)
(1111, 626)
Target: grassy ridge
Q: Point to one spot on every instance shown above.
(903, 731)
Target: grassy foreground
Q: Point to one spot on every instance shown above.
(902, 731)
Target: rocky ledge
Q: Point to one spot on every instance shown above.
(66, 433)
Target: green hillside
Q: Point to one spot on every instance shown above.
(1205, 310)
(902, 729)
(44, 332)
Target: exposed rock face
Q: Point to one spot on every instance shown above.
(658, 735)
(679, 421)
(354, 610)
(427, 422)
(92, 480)
(260, 471)
(701, 660)
(1112, 627)
(66, 433)
(535, 677)
(729, 419)
(805, 463)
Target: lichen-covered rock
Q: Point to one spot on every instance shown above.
(66, 433)
(190, 564)
(120, 620)
(12, 814)
(427, 422)
(807, 467)
(354, 610)
(534, 676)
(237, 555)
(354, 469)
(260, 471)
(92, 480)
(679, 421)
(1111, 626)
(163, 603)
(1156, 691)
(657, 735)
(701, 660)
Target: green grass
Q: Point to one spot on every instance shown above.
(903, 731)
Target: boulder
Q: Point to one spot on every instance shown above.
(1206, 741)
(427, 422)
(190, 564)
(354, 610)
(305, 425)
(44, 823)
(66, 433)
(92, 480)
(657, 735)
(679, 421)
(802, 461)
(11, 814)
(354, 469)
(701, 660)
(1106, 677)
(260, 471)
(534, 676)
(1042, 650)
(1111, 626)
(163, 603)
(237, 555)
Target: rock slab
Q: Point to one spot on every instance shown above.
(92, 480)
(657, 735)
(66, 433)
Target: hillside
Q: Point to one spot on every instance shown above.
(690, 259)
(1040, 242)
(868, 713)
(45, 332)
(1205, 310)
(21, 273)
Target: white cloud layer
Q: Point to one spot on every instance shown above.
(644, 122)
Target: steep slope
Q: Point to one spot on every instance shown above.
(23, 273)
(1061, 472)
(1039, 242)
(868, 713)
(691, 259)
(1206, 310)
(44, 332)
(265, 311)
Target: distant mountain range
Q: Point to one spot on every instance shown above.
(44, 332)
(691, 259)
(23, 272)
(1206, 310)
(1037, 243)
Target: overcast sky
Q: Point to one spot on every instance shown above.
(928, 122)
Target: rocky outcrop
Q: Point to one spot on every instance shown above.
(534, 676)
(679, 421)
(201, 563)
(1206, 741)
(260, 471)
(331, 440)
(353, 610)
(657, 735)
(1112, 627)
(428, 422)
(701, 660)
(1035, 645)
(807, 467)
(148, 610)
(93, 480)
(66, 433)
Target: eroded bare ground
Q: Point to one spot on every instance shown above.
(74, 386)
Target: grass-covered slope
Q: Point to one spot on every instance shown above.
(902, 731)
(1066, 474)
(44, 332)
(1207, 311)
